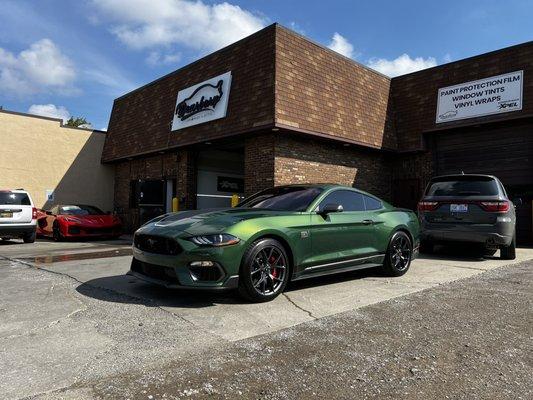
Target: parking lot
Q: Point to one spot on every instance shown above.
(70, 315)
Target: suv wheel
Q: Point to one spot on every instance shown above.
(399, 254)
(264, 271)
(29, 237)
(509, 252)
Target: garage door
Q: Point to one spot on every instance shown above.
(505, 151)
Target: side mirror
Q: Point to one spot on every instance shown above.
(331, 208)
(518, 201)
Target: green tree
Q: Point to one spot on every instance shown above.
(76, 122)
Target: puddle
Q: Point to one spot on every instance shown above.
(77, 256)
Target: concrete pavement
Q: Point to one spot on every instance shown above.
(67, 317)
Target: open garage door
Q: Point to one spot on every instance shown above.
(220, 175)
(503, 151)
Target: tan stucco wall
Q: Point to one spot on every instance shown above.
(39, 154)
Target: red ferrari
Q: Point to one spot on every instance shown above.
(77, 221)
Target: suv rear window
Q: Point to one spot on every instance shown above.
(463, 186)
(16, 199)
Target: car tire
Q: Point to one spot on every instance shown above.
(399, 255)
(264, 271)
(30, 237)
(56, 233)
(509, 252)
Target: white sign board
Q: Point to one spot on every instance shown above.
(494, 95)
(203, 102)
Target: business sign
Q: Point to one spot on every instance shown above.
(230, 184)
(494, 95)
(203, 102)
(49, 195)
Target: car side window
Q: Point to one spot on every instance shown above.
(372, 204)
(350, 201)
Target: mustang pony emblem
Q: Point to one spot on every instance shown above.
(204, 98)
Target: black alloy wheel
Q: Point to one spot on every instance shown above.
(399, 255)
(56, 233)
(264, 271)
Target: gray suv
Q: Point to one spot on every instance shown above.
(468, 208)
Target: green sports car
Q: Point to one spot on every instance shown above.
(280, 234)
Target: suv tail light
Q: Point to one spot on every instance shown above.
(427, 205)
(33, 213)
(495, 206)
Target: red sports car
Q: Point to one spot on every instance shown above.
(77, 221)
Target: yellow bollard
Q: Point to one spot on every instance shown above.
(234, 200)
(175, 205)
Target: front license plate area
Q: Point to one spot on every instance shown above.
(458, 208)
(6, 214)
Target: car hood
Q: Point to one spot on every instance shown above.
(93, 220)
(198, 222)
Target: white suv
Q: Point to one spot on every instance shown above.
(18, 216)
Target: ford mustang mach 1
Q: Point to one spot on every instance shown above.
(277, 235)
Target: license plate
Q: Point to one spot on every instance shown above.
(458, 208)
(6, 215)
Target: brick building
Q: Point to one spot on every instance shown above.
(275, 108)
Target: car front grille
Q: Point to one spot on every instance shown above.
(156, 244)
(158, 272)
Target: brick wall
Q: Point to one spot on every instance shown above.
(278, 77)
(415, 95)
(141, 120)
(319, 91)
(299, 160)
(258, 163)
(178, 165)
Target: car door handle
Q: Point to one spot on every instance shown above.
(368, 222)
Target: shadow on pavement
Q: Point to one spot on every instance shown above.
(128, 289)
(458, 252)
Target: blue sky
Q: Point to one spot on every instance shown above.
(61, 57)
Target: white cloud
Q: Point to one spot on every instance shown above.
(145, 24)
(41, 67)
(155, 58)
(50, 110)
(341, 45)
(296, 27)
(401, 65)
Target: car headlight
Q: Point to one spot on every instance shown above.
(222, 239)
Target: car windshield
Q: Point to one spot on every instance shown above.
(16, 199)
(80, 210)
(285, 198)
(463, 186)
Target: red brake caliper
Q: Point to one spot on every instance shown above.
(274, 270)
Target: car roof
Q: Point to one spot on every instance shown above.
(327, 186)
(465, 176)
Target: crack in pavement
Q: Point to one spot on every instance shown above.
(298, 306)
(123, 295)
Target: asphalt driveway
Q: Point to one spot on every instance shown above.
(70, 314)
